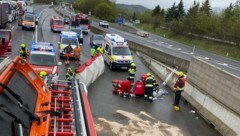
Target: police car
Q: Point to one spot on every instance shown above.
(43, 58)
(66, 38)
(116, 52)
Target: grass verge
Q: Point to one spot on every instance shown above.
(227, 50)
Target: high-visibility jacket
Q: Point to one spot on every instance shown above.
(23, 51)
(92, 52)
(180, 84)
(77, 51)
(100, 49)
(131, 72)
(70, 75)
(149, 82)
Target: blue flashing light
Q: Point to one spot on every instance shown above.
(112, 40)
(74, 37)
(65, 36)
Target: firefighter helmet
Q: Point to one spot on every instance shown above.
(43, 74)
(23, 45)
(148, 74)
(133, 64)
(180, 74)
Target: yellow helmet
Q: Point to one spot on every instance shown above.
(148, 74)
(43, 73)
(23, 45)
(133, 64)
(180, 73)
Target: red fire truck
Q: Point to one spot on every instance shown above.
(83, 21)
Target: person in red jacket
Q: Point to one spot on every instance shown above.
(125, 87)
(179, 88)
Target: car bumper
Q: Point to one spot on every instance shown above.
(28, 27)
(121, 65)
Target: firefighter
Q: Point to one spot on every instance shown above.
(77, 53)
(149, 88)
(92, 51)
(132, 71)
(68, 50)
(100, 49)
(23, 51)
(42, 74)
(179, 88)
(70, 74)
(125, 87)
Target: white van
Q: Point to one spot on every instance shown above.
(116, 52)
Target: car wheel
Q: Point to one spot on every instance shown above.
(23, 28)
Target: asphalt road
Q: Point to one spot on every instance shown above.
(114, 115)
(179, 50)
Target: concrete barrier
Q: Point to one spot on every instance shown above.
(221, 115)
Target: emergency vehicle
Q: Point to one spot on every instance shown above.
(116, 52)
(57, 24)
(28, 21)
(84, 22)
(31, 106)
(66, 38)
(43, 58)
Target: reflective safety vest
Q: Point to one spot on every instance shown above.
(149, 82)
(131, 73)
(180, 84)
(92, 52)
(23, 52)
(100, 49)
(70, 75)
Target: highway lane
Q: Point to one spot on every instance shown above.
(179, 50)
(111, 112)
(114, 115)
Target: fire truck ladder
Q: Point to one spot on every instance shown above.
(66, 100)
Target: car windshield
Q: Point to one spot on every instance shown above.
(42, 59)
(121, 51)
(83, 21)
(97, 37)
(29, 18)
(58, 22)
(78, 31)
(71, 41)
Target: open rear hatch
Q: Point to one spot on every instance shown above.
(29, 107)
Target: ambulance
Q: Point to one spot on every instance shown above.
(43, 58)
(116, 52)
(66, 38)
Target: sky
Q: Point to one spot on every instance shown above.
(168, 3)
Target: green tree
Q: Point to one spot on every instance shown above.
(206, 8)
(156, 11)
(105, 11)
(171, 13)
(180, 10)
(191, 18)
(146, 17)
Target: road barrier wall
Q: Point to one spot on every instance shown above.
(198, 94)
(89, 71)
